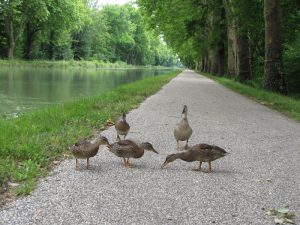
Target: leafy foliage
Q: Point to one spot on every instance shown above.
(199, 31)
(73, 29)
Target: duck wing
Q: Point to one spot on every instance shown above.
(206, 152)
(125, 148)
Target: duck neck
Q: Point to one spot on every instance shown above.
(97, 144)
(178, 156)
(142, 146)
(185, 156)
(184, 116)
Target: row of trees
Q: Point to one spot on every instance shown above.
(243, 39)
(75, 29)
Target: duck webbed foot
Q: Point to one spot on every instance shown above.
(199, 168)
(209, 168)
(128, 165)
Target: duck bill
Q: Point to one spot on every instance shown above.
(153, 150)
(164, 164)
(184, 109)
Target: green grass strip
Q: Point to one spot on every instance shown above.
(30, 143)
(284, 104)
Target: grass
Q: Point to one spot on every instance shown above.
(31, 142)
(71, 63)
(289, 106)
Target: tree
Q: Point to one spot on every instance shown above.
(239, 63)
(274, 78)
(14, 22)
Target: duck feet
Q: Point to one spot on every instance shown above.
(209, 168)
(199, 168)
(127, 164)
(130, 166)
(77, 165)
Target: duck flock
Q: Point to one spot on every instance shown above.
(126, 149)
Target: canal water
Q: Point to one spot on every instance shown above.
(23, 89)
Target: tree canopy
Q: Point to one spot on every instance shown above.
(75, 29)
(232, 37)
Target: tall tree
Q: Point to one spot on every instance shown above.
(14, 22)
(274, 78)
(239, 57)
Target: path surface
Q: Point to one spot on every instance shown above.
(262, 171)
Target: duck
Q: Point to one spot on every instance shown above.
(199, 152)
(84, 149)
(182, 130)
(127, 149)
(122, 127)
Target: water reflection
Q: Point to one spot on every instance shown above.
(23, 88)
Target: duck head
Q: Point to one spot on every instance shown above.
(170, 158)
(102, 140)
(148, 146)
(185, 109)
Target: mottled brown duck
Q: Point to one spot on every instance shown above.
(127, 149)
(84, 149)
(122, 127)
(183, 131)
(199, 152)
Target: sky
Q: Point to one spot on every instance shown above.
(119, 2)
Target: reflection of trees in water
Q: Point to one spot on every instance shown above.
(22, 89)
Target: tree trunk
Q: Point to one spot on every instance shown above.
(10, 35)
(274, 78)
(221, 45)
(221, 61)
(214, 62)
(202, 64)
(231, 52)
(243, 63)
(51, 46)
(29, 40)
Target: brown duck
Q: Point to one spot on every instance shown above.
(199, 152)
(84, 149)
(129, 149)
(122, 127)
(182, 130)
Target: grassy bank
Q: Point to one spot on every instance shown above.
(284, 104)
(93, 64)
(31, 142)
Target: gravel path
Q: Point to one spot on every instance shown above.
(262, 171)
